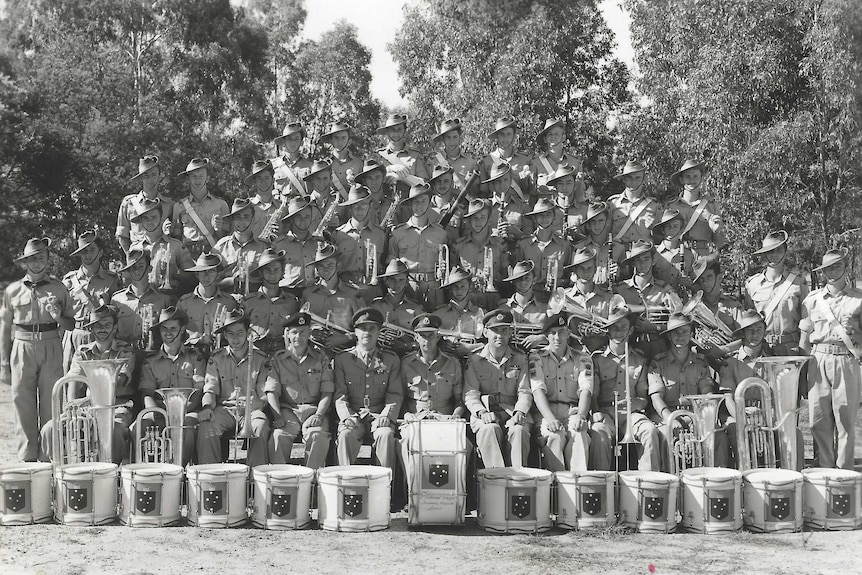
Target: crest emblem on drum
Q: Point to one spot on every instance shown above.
(654, 507)
(719, 507)
(213, 500)
(352, 504)
(591, 503)
(779, 508)
(78, 499)
(522, 506)
(16, 499)
(438, 474)
(842, 504)
(281, 504)
(146, 501)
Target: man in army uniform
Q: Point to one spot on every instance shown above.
(197, 218)
(561, 380)
(503, 136)
(344, 164)
(706, 275)
(460, 314)
(497, 394)
(269, 306)
(593, 298)
(383, 194)
(330, 297)
(35, 309)
(523, 304)
(90, 287)
(299, 392)
(241, 249)
(674, 261)
(396, 153)
(704, 229)
(298, 245)
(443, 196)
(545, 246)
(168, 257)
(396, 306)
(369, 389)
(139, 305)
(359, 239)
(419, 243)
(482, 254)
(570, 197)
(609, 423)
(173, 365)
(128, 231)
(230, 382)
(450, 135)
(321, 194)
(830, 328)
(262, 177)
(291, 166)
(205, 303)
(633, 212)
(510, 206)
(551, 140)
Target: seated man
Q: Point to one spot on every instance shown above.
(235, 374)
(173, 365)
(609, 425)
(102, 326)
(497, 393)
(299, 392)
(368, 393)
(561, 379)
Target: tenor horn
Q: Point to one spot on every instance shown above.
(691, 447)
(165, 446)
(708, 330)
(84, 431)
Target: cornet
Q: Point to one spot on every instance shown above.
(552, 273)
(161, 277)
(217, 323)
(442, 268)
(145, 340)
(370, 262)
(241, 275)
(486, 272)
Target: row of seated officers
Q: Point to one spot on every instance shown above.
(571, 402)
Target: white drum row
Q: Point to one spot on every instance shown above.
(705, 500)
(351, 498)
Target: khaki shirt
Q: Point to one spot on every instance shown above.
(538, 167)
(340, 167)
(160, 371)
(846, 307)
(700, 231)
(672, 379)
(562, 380)
(542, 253)
(131, 309)
(29, 301)
(466, 319)
(83, 288)
(514, 208)
(375, 382)
(168, 257)
(623, 207)
(338, 304)
(759, 293)
(205, 209)
(117, 350)
(462, 165)
(507, 381)
(740, 366)
(267, 315)
(518, 161)
(437, 386)
(225, 373)
(408, 157)
(419, 247)
(670, 260)
(350, 242)
(611, 377)
(298, 256)
(299, 381)
(530, 311)
(202, 311)
(300, 167)
(469, 253)
(129, 207)
(400, 314)
(262, 213)
(231, 250)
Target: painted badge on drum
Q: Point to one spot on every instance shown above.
(281, 502)
(780, 506)
(592, 502)
(654, 506)
(213, 498)
(720, 503)
(841, 504)
(78, 498)
(438, 474)
(147, 499)
(352, 504)
(16, 500)
(521, 505)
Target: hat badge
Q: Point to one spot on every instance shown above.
(499, 317)
(561, 321)
(426, 321)
(301, 321)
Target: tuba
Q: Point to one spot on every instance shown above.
(521, 331)
(165, 446)
(709, 330)
(83, 430)
(692, 446)
(773, 397)
(390, 333)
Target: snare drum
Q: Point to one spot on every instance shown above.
(585, 499)
(711, 500)
(831, 499)
(25, 493)
(86, 493)
(648, 500)
(436, 465)
(282, 496)
(772, 500)
(217, 494)
(514, 500)
(353, 497)
(150, 494)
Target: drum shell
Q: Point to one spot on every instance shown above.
(514, 500)
(282, 496)
(353, 497)
(711, 500)
(772, 500)
(831, 499)
(436, 465)
(648, 501)
(585, 499)
(25, 493)
(90, 486)
(217, 495)
(151, 494)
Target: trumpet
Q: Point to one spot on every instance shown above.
(370, 262)
(442, 268)
(165, 446)
(145, 341)
(271, 227)
(161, 278)
(691, 447)
(552, 272)
(709, 330)
(485, 274)
(241, 275)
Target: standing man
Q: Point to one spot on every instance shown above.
(262, 177)
(197, 218)
(369, 389)
(830, 330)
(298, 245)
(139, 305)
(205, 303)
(360, 240)
(704, 230)
(633, 212)
(168, 256)
(399, 158)
(497, 394)
(449, 139)
(269, 307)
(35, 310)
(291, 166)
(241, 250)
(503, 136)
(149, 172)
(344, 164)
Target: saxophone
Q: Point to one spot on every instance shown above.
(389, 217)
(327, 218)
(270, 229)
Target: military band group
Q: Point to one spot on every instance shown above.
(338, 297)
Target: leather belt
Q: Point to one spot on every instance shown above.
(36, 327)
(831, 349)
(773, 339)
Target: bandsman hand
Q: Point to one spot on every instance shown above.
(489, 417)
(216, 222)
(314, 421)
(554, 425)
(518, 418)
(205, 414)
(167, 226)
(577, 422)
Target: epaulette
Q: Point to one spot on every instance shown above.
(399, 226)
(189, 295)
(660, 355)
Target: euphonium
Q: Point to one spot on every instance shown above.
(709, 330)
(165, 446)
(389, 333)
(691, 447)
(521, 331)
(581, 321)
(442, 268)
(93, 421)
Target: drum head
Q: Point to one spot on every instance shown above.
(511, 473)
(150, 469)
(823, 473)
(771, 476)
(717, 473)
(354, 472)
(282, 471)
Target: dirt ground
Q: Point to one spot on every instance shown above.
(112, 549)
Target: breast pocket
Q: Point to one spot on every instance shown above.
(513, 376)
(22, 299)
(444, 386)
(312, 380)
